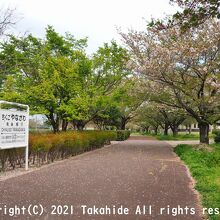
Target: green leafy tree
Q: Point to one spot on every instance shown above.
(129, 97)
(47, 73)
(156, 115)
(108, 71)
(109, 118)
(149, 118)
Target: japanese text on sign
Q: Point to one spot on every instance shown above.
(13, 128)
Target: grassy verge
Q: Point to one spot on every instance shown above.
(205, 168)
(179, 137)
(182, 136)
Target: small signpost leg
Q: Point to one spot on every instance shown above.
(26, 158)
(26, 149)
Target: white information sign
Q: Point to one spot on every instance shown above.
(13, 129)
(14, 126)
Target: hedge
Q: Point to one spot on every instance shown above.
(122, 135)
(216, 135)
(45, 148)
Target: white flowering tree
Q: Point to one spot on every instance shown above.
(183, 68)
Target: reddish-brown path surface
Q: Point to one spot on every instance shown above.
(131, 173)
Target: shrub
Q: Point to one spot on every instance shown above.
(47, 147)
(217, 136)
(122, 135)
(215, 131)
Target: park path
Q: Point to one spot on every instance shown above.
(139, 171)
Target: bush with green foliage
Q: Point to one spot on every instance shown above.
(216, 133)
(122, 135)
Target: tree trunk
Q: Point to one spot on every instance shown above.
(122, 126)
(55, 129)
(155, 130)
(64, 125)
(147, 129)
(123, 123)
(174, 129)
(204, 132)
(54, 121)
(190, 128)
(80, 126)
(166, 127)
(55, 126)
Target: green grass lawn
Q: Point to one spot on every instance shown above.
(205, 168)
(180, 137)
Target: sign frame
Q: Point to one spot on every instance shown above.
(26, 145)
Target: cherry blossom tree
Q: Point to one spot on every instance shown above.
(192, 14)
(183, 68)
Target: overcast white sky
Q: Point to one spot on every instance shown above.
(95, 19)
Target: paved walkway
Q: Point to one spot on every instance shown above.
(134, 172)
